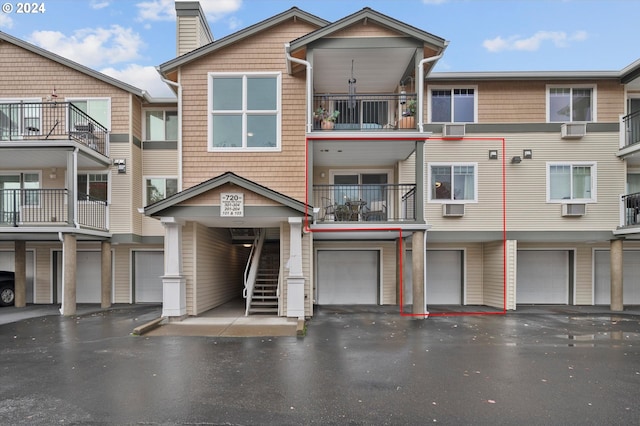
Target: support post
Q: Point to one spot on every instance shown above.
(20, 284)
(174, 289)
(69, 245)
(106, 275)
(417, 257)
(295, 279)
(616, 261)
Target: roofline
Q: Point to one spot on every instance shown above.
(368, 13)
(240, 35)
(525, 75)
(228, 177)
(71, 64)
(631, 72)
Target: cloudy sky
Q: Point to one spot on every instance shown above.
(127, 39)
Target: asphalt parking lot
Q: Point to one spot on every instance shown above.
(354, 366)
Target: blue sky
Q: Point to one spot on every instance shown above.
(128, 38)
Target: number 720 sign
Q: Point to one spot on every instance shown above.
(231, 204)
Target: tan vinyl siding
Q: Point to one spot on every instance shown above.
(365, 29)
(122, 273)
(281, 171)
(136, 190)
(120, 206)
(43, 272)
(162, 163)
(493, 274)
(188, 264)
(212, 197)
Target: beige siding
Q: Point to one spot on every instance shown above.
(493, 274)
(188, 264)
(365, 29)
(43, 272)
(162, 163)
(212, 197)
(122, 273)
(120, 206)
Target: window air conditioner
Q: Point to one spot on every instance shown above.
(453, 210)
(574, 209)
(453, 130)
(573, 130)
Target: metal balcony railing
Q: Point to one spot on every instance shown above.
(631, 208)
(365, 112)
(365, 203)
(49, 207)
(44, 121)
(631, 126)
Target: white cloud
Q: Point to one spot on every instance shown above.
(5, 21)
(96, 4)
(164, 10)
(142, 77)
(558, 38)
(92, 47)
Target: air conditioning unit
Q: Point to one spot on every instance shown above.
(574, 209)
(453, 210)
(573, 130)
(453, 130)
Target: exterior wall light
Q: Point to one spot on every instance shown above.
(121, 164)
(516, 160)
(493, 154)
(527, 154)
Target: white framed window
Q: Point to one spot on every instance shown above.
(453, 104)
(158, 188)
(571, 181)
(20, 117)
(93, 186)
(571, 103)
(244, 111)
(453, 182)
(161, 125)
(98, 109)
(27, 185)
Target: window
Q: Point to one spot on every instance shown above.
(160, 188)
(571, 181)
(450, 105)
(20, 189)
(161, 125)
(567, 104)
(244, 111)
(93, 186)
(99, 109)
(453, 182)
(19, 117)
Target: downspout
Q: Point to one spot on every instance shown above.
(307, 64)
(179, 86)
(424, 278)
(421, 78)
(75, 186)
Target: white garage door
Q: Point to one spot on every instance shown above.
(88, 277)
(630, 277)
(7, 263)
(543, 277)
(149, 267)
(444, 277)
(348, 277)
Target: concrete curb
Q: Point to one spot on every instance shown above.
(145, 328)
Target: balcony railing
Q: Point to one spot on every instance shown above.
(365, 203)
(49, 207)
(365, 112)
(28, 121)
(631, 208)
(631, 126)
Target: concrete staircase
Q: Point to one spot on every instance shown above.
(265, 291)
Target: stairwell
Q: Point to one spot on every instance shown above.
(265, 291)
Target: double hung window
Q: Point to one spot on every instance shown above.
(566, 104)
(453, 105)
(244, 111)
(457, 181)
(571, 181)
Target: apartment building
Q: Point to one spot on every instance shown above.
(309, 162)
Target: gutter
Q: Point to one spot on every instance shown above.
(307, 64)
(421, 78)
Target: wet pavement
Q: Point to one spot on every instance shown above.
(355, 366)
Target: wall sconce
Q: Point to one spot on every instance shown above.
(527, 154)
(493, 154)
(516, 160)
(53, 174)
(122, 165)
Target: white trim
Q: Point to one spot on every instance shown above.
(244, 112)
(594, 101)
(451, 88)
(452, 200)
(594, 182)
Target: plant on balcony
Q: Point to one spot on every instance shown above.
(410, 109)
(326, 117)
(408, 120)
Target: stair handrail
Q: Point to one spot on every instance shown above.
(251, 270)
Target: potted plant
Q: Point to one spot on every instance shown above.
(408, 120)
(326, 117)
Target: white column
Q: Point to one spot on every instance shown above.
(295, 279)
(174, 292)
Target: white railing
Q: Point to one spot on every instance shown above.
(251, 270)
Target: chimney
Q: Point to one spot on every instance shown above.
(192, 29)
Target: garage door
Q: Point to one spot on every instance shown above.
(348, 277)
(149, 268)
(444, 277)
(543, 277)
(88, 277)
(7, 263)
(630, 278)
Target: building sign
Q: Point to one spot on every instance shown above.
(231, 204)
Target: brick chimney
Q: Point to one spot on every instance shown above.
(192, 29)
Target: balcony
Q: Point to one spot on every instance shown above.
(365, 112)
(365, 203)
(631, 209)
(50, 121)
(50, 207)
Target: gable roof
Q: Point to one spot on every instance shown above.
(294, 12)
(225, 178)
(71, 64)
